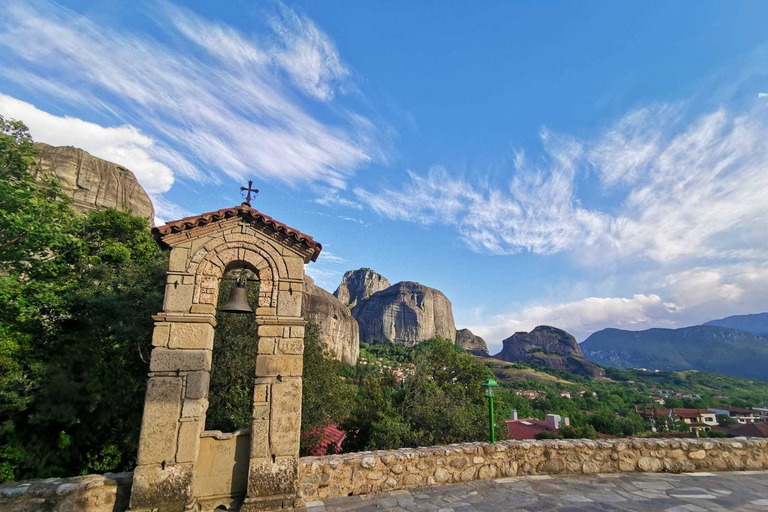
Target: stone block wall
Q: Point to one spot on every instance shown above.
(362, 473)
(92, 493)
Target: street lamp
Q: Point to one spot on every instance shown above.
(490, 386)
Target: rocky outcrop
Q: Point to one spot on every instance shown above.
(91, 182)
(550, 346)
(471, 343)
(405, 314)
(357, 285)
(338, 328)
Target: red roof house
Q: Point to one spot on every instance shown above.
(527, 428)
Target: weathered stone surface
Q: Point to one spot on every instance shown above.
(339, 332)
(163, 487)
(406, 313)
(471, 343)
(93, 183)
(90, 493)
(159, 424)
(359, 473)
(285, 417)
(170, 360)
(357, 285)
(550, 346)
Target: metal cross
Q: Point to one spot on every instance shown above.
(250, 189)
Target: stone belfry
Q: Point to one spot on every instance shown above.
(180, 466)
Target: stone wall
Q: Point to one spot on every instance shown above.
(362, 473)
(92, 493)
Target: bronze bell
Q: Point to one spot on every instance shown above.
(238, 300)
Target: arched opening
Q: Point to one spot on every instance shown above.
(230, 397)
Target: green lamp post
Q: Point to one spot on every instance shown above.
(490, 386)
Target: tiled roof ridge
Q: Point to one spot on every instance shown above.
(242, 210)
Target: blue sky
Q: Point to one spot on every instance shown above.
(584, 165)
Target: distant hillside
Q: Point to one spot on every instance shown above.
(703, 347)
(757, 323)
(549, 346)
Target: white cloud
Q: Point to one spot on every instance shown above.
(308, 55)
(223, 101)
(124, 145)
(329, 257)
(686, 191)
(679, 299)
(581, 318)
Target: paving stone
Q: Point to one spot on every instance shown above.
(627, 492)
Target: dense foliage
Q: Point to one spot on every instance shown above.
(76, 295)
(326, 397)
(233, 370)
(442, 402)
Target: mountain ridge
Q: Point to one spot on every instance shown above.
(755, 323)
(707, 348)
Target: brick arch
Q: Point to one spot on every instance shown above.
(214, 264)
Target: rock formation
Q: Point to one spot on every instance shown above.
(406, 313)
(551, 347)
(339, 331)
(471, 343)
(357, 285)
(91, 182)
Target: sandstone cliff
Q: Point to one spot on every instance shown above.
(91, 182)
(406, 313)
(471, 343)
(551, 347)
(338, 329)
(357, 285)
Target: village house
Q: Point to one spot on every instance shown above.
(530, 394)
(741, 415)
(564, 394)
(697, 420)
(527, 428)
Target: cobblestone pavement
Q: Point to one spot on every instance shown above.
(657, 492)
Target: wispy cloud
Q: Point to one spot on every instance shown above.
(687, 191)
(217, 101)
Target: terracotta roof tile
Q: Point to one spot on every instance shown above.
(527, 428)
(245, 211)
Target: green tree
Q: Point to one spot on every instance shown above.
(442, 402)
(326, 399)
(76, 295)
(724, 419)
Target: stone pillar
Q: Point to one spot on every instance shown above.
(276, 428)
(174, 411)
